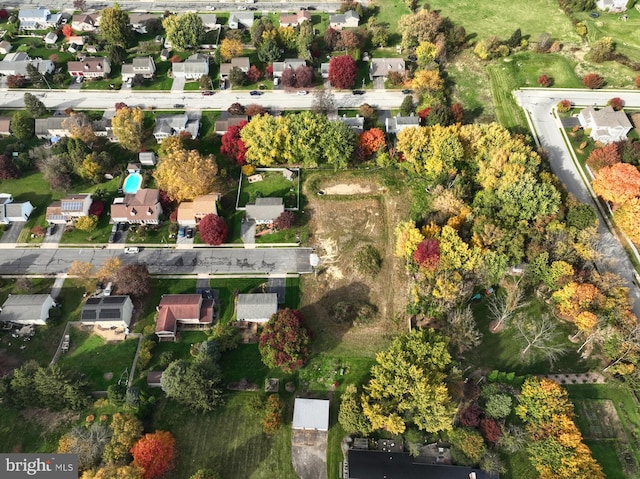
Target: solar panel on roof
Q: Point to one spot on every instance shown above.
(114, 299)
(88, 315)
(93, 301)
(72, 205)
(109, 314)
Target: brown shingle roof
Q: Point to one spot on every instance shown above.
(182, 307)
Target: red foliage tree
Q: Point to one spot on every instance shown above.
(544, 80)
(424, 113)
(331, 38)
(564, 106)
(120, 105)
(67, 31)
(342, 71)
(427, 254)
(254, 109)
(288, 78)
(285, 221)
(305, 76)
(166, 202)
(285, 343)
(490, 430)
(254, 74)
(133, 279)
(15, 81)
(232, 145)
(96, 208)
(213, 230)
(457, 112)
(617, 183)
(269, 71)
(175, 59)
(616, 103)
(471, 416)
(593, 81)
(606, 156)
(371, 141)
(154, 454)
(349, 39)
(8, 169)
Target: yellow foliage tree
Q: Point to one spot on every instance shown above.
(407, 239)
(81, 269)
(586, 321)
(427, 81)
(230, 48)
(426, 52)
(87, 223)
(185, 174)
(626, 217)
(109, 268)
(114, 472)
(127, 127)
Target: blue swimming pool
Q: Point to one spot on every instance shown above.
(132, 183)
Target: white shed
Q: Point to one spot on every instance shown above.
(311, 414)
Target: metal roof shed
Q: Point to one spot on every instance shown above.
(311, 414)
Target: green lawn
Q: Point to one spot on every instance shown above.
(23, 433)
(508, 113)
(229, 440)
(94, 357)
(626, 35)
(273, 185)
(152, 234)
(227, 288)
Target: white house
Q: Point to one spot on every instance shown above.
(256, 307)
(192, 68)
(51, 38)
(292, 63)
(11, 212)
(85, 22)
(172, 125)
(349, 19)
(143, 207)
(27, 309)
(381, 67)
(240, 20)
(69, 208)
(606, 124)
(16, 64)
(311, 414)
(612, 6)
(144, 66)
(108, 312)
(90, 67)
(356, 123)
(398, 123)
(38, 18)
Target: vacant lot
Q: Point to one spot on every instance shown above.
(355, 211)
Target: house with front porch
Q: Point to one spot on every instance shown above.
(16, 64)
(192, 68)
(144, 66)
(191, 212)
(606, 125)
(183, 311)
(69, 209)
(90, 67)
(142, 207)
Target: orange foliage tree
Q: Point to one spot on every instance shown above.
(605, 156)
(617, 183)
(67, 31)
(626, 217)
(371, 141)
(574, 298)
(154, 454)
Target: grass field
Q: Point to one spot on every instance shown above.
(229, 440)
(626, 35)
(22, 432)
(273, 185)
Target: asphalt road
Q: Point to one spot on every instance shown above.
(277, 100)
(539, 103)
(161, 261)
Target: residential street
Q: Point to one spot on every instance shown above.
(539, 103)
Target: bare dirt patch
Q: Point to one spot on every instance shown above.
(7, 363)
(339, 227)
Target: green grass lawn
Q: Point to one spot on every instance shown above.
(94, 357)
(153, 234)
(229, 440)
(226, 289)
(22, 433)
(626, 35)
(273, 185)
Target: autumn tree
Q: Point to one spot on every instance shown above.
(616, 103)
(350, 415)
(285, 342)
(254, 74)
(230, 49)
(87, 223)
(427, 81)
(545, 81)
(113, 472)
(371, 141)
(408, 385)
(408, 237)
(422, 26)
(109, 268)
(462, 330)
(232, 145)
(593, 81)
(617, 183)
(81, 269)
(15, 81)
(427, 253)
(626, 217)
(87, 442)
(115, 26)
(127, 127)
(185, 30)
(80, 126)
(126, 430)
(272, 419)
(285, 221)
(213, 230)
(133, 279)
(155, 454)
(8, 169)
(342, 71)
(541, 338)
(607, 155)
(185, 174)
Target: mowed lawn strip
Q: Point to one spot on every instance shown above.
(228, 440)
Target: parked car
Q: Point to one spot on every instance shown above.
(113, 237)
(358, 92)
(302, 92)
(51, 229)
(207, 93)
(181, 232)
(114, 227)
(178, 105)
(255, 93)
(189, 232)
(406, 91)
(132, 250)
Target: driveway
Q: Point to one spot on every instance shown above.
(178, 85)
(12, 232)
(55, 237)
(278, 286)
(309, 454)
(248, 231)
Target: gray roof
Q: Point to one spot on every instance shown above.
(44, 125)
(196, 63)
(13, 210)
(24, 307)
(311, 414)
(245, 18)
(104, 308)
(292, 63)
(265, 209)
(258, 306)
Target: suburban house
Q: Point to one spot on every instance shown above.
(311, 415)
(5, 47)
(38, 18)
(16, 64)
(192, 68)
(182, 311)
(90, 67)
(147, 158)
(143, 207)
(50, 38)
(256, 307)
(85, 22)
(108, 312)
(139, 21)
(144, 66)
(242, 63)
(191, 212)
(349, 19)
(77, 40)
(606, 124)
(292, 63)
(366, 464)
(11, 212)
(356, 123)
(295, 19)
(613, 6)
(69, 209)
(47, 128)
(5, 125)
(265, 210)
(173, 125)
(381, 67)
(240, 20)
(398, 123)
(27, 309)
(226, 120)
(209, 21)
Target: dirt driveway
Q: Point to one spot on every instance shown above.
(309, 454)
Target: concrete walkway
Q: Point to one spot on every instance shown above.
(57, 285)
(585, 378)
(309, 454)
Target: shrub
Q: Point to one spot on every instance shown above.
(272, 419)
(564, 106)
(545, 81)
(285, 221)
(593, 81)
(368, 261)
(248, 170)
(616, 103)
(213, 230)
(471, 416)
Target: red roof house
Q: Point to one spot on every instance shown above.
(182, 311)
